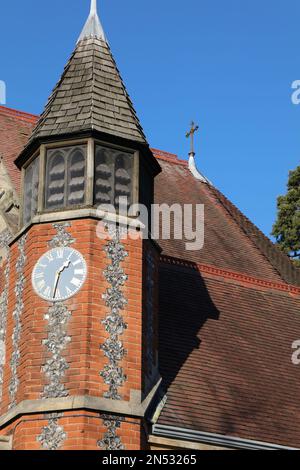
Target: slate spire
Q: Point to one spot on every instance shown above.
(90, 95)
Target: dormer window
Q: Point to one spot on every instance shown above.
(65, 178)
(31, 190)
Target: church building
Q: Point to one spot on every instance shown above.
(110, 340)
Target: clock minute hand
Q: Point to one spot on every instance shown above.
(58, 274)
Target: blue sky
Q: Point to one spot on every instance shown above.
(228, 64)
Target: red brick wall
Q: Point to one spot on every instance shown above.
(83, 431)
(83, 353)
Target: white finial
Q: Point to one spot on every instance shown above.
(93, 7)
(92, 27)
(195, 172)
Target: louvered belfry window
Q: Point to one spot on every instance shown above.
(31, 189)
(113, 176)
(65, 177)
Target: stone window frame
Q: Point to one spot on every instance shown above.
(91, 143)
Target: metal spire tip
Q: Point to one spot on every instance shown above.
(92, 27)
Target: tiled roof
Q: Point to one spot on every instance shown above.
(231, 242)
(225, 355)
(90, 96)
(15, 129)
(227, 319)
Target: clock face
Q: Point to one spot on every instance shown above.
(59, 274)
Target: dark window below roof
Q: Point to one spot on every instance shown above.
(65, 177)
(31, 189)
(113, 176)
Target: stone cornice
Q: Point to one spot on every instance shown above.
(134, 408)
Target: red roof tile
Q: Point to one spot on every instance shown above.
(15, 129)
(225, 356)
(232, 242)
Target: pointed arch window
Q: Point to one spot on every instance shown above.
(31, 190)
(65, 178)
(114, 175)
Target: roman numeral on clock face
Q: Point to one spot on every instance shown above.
(39, 276)
(68, 291)
(58, 295)
(76, 282)
(47, 291)
(60, 253)
(78, 261)
(79, 272)
(49, 256)
(41, 285)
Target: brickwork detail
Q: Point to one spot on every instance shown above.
(52, 435)
(115, 300)
(17, 314)
(111, 441)
(5, 237)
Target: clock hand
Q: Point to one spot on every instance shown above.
(57, 276)
(64, 266)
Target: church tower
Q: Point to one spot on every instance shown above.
(78, 308)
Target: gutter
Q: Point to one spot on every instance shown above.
(214, 439)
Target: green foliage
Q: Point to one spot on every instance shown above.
(287, 227)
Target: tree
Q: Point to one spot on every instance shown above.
(286, 230)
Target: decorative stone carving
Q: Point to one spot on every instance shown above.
(115, 300)
(9, 203)
(111, 441)
(62, 238)
(5, 237)
(52, 435)
(57, 317)
(17, 314)
(8, 200)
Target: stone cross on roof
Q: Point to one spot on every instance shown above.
(191, 133)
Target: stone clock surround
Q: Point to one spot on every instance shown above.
(83, 381)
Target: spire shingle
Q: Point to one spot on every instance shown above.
(90, 95)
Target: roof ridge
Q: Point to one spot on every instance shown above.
(278, 260)
(241, 278)
(18, 114)
(169, 157)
